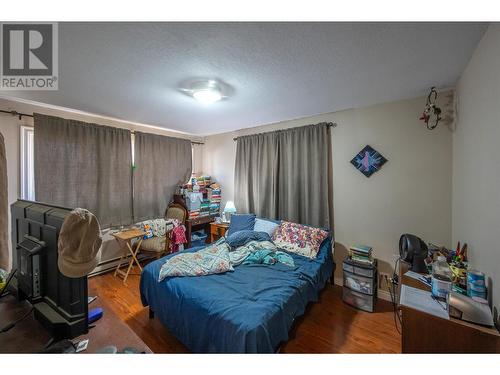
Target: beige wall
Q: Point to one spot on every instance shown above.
(10, 128)
(411, 193)
(476, 159)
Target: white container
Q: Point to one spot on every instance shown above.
(441, 278)
(193, 201)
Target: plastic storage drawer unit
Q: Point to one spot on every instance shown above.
(360, 284)
(365, 285)
(360, 269)
(359, 300)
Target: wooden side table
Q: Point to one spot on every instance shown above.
(125, 238)
(217, 230)
(195, 223)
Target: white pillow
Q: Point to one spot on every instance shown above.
(262, 225)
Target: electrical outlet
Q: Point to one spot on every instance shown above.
(384, 280)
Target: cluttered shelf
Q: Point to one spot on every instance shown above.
(443, 303)
(423, 332)
(417, 284)
(201, 197)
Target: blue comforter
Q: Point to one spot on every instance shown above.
(249, 310)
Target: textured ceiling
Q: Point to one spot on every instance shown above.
(277, 71)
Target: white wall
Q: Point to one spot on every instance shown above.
(10, 128)
(411, 193)
(476, 159)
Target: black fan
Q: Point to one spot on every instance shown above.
(413, 250)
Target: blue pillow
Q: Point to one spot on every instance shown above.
(241, 237)
(241, 222)
(265, 225)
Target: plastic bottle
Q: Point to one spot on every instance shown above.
(441, 278)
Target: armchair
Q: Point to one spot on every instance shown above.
(160, 245)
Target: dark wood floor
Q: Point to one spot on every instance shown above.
(328, 326)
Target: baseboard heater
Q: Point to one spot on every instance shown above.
(110, 264)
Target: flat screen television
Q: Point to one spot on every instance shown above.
(60, 303)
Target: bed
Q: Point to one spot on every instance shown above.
(249, 310)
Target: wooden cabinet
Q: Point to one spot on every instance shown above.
(217, 230)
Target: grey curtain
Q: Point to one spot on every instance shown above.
(4, 203)
(161, 164)
(256, 174)
(286, 175)
(78, 164)
(304, 175)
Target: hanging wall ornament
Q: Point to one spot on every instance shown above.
(432, 113)
(368, 161)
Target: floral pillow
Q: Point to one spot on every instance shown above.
(299, 239)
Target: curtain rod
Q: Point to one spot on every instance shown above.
(15, 113)
(20, 115)
(329, 124)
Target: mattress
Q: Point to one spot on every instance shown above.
(249, 310)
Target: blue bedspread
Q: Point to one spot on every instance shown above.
(249, 310)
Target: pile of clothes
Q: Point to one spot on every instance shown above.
(176, 236)
(221, 257)
(259, 252)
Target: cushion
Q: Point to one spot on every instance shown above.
(241, 222)
(159, 227)
(156, 227)
(242, 237)
(154, 244)
(263, 225)
(299, 239)
(207, 261)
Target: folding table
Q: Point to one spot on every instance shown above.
(125, 238)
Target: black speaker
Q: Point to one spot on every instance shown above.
(414, 251)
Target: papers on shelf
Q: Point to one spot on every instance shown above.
(422, 300)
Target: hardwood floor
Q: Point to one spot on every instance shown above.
(328, 326)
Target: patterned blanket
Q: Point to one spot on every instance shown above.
(217, 258)
(210, 260)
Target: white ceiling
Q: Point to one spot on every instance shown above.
(278, 71)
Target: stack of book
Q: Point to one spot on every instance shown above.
(205, 207)
(194, 214)
(214, 195)
(361, 254)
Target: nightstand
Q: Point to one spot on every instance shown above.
(217, 230)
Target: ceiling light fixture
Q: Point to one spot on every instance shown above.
(208, 95)
(205, 91)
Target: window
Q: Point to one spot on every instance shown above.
(27, 164)
(28, 167)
